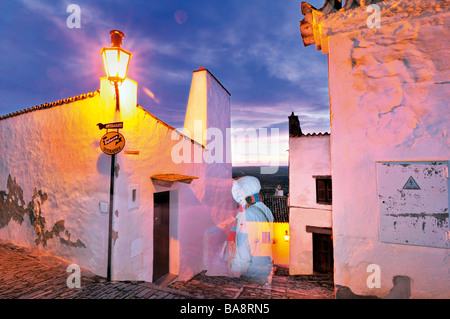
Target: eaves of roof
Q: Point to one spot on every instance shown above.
(316, 134)
(51, 104)
(311, 135)
(169, 126)
(83, 97)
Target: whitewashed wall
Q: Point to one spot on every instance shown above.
(57, 151)
(205, 228)
(389, 93)
(308, 156)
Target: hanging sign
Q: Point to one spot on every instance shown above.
(112, 143)
(115, 125)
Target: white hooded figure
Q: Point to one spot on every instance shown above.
(251, 255)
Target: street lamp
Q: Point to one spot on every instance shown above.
(116, 60)
(286, 236)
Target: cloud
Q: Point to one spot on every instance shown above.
(253, 146)
(266, 115)
(151, 95)
(253, 48)
(50, 12)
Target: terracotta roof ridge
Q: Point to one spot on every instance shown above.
(51, 104)
(168, 126)
(278, 206)
(316, 134)
(158, 119)
(84, 96)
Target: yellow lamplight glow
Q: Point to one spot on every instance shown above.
(286, 236)
(116, 62)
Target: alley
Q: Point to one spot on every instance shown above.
(30, 274)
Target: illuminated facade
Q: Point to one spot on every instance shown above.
(56, 184)
(389, 93)
(310, 201)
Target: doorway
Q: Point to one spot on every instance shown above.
(161, 221)
(322, 253)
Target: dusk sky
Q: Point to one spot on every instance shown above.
(252, 47)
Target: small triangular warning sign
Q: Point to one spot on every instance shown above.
(411, 184)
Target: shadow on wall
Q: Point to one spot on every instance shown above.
(104, 164)
(400, 290)
(12, 207)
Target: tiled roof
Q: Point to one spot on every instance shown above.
(169, 126)
(307, 25)
(316, 134)
(83, 97)
(278, 206)
(311, 134)
(51, 104)
(157, 119)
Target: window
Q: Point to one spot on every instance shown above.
(133, 197)
(323, 190)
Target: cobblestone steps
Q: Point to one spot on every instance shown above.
(29, 274)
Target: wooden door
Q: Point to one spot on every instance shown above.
(322, 253)
(160, 235)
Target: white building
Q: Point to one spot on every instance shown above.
(310, 201)
(389, 99)
(167, 209)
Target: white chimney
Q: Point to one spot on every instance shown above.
(208, 106)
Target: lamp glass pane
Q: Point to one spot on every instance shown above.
(116, 62)
(112, 63)
(124, 57)
(105, 63)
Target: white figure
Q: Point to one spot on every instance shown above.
(249, 244)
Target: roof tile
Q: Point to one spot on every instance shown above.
(50, 104)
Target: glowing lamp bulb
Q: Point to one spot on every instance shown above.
(116, 59)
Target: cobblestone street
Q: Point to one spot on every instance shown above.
(283, 287)
(30, 274)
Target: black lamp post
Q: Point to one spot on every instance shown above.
(116, 62)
